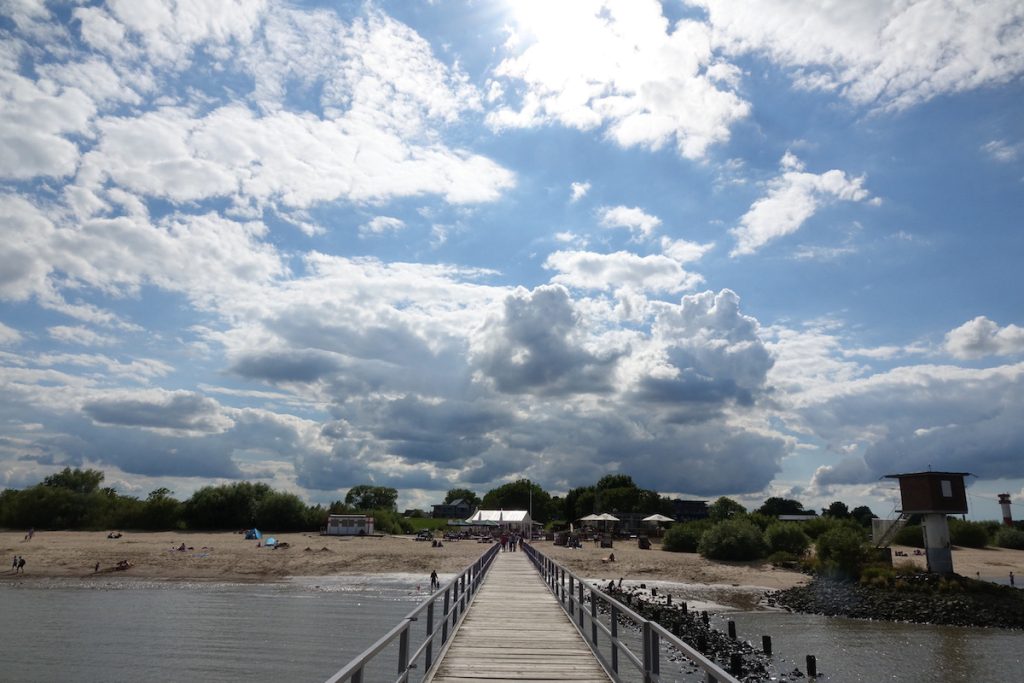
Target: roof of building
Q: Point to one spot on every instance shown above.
(500, 516)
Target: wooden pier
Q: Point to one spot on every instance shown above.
(517, 631)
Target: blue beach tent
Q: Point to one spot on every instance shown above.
(253, 535)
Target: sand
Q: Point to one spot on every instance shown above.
(228, 557)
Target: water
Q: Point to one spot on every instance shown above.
(305, 630)
(296, 631)
(861, 651)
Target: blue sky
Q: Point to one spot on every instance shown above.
(729, 249)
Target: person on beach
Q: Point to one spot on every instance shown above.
(14, 565)
(434, 582)
(21, 565)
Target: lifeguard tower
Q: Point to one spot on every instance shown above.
(934, 495)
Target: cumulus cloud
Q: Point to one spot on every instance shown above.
(537, 346)
(9, 336)
(589, 270)
(916, 417)
(982, 337)
(632, 218)
(379, 225)
(624, 68)
(684, 251)
(878, 53)
(792, 198)
(578, 191)
(171, 411)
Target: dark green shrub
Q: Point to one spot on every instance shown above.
(390, 522)
(733, 539)
(967, 534)
(787, 537)
(1008, 537)
(910, 535)
(684, 537)
(841, 552)
(783, 559)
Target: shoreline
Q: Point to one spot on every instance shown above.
(226, 556)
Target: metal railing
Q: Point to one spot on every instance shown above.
(455, 598)
(574, 594)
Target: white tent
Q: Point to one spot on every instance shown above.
(592, 518)
(506, 519)
(605, 517)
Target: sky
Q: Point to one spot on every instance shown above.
(744, 249)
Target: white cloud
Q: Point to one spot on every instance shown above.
(792, 198)
(876, 52)
(589, 270)
(1002, 151)
(379, 225)
(9, 336)
(631, 218)
(623, 67)
(685, 251)
(34, 123)
(579, 191)
(80, 335)
(982, 337)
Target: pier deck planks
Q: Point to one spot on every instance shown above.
(516, 631)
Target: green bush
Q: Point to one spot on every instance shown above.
(390, 522)
(787, 537)
(841, 552)
(783, 559)
(1008, 537)
(733, 539)
(967, 534)
(910, 535)
(684, 537)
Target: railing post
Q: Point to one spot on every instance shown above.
(593, 618)
(357, 677)
(430, 635)
(403, 653)
(647, 651)
(579, 588)
(444, 616)
(615, 639)
(572, 591)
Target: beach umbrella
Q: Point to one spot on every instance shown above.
(607, 518)
(658, 518)
(591, 518)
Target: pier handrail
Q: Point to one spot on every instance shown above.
(574, 602)
(456, 596)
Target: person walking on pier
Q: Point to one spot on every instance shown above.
(435, 584)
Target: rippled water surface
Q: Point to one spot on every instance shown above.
(302, 631)
(307, 629)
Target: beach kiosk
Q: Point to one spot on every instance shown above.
(934, 495)
(349, 525)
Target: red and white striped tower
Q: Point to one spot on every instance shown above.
(1004, 502)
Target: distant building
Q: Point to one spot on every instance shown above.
(689, 510)
(457, 509)
(349, 525)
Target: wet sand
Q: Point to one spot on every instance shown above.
(228, 557)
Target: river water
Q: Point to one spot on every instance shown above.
(305, 630)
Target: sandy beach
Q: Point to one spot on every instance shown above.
(228, 557)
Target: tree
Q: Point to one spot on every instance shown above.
(516, 495)
(863, 515)
(464, 494)
(837, 509)
(367, 497)
(775, 506)
(231, 506)
(725, 508)
(615, 481)
(76, 480)
(281, 512)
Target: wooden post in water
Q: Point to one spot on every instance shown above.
(732, 629)
(812, 666)
(736, 664)
(766, 645)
